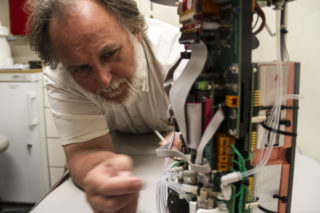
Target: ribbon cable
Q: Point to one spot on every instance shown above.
(209, 133)
(166, 2)
(164, 151)
(169, 78)
(200, 165)
(180, 89)
(178, 95)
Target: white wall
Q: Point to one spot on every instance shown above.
(4, 12)
(303, 46)
(164, 13)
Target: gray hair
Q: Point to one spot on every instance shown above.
(42, 11)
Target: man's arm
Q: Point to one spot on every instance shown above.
(82, 157)
(103, 175)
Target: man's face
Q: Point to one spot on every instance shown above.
(95, 49)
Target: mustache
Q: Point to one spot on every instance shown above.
(113, 87)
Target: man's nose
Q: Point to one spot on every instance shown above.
(103, 77)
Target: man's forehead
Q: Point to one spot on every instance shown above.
(83, 20)
(81, 10)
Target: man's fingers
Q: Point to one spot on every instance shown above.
(113, 177)
(120, 185)
(110, 186)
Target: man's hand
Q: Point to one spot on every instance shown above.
(111, 188)
(105, 176)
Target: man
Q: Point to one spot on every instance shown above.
(106, 74)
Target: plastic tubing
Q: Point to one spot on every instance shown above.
(274, 118)
(164, 182)
(161, 195)
(176, 186)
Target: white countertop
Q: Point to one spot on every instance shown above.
(68, 198)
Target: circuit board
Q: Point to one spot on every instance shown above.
(229, 118)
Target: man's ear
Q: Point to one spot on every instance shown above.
(138, 35)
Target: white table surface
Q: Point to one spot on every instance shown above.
(67, 198)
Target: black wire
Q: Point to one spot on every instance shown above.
(283, 199)
(283, 107)
(266, 210)
(263, 17)
(255, 24)
(292, 134)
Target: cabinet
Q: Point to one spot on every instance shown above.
(24, 175)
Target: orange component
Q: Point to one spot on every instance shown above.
(222, 150)
(222, 167)
(232, 101)
(223, 158)
(210, 8)
(253, 5)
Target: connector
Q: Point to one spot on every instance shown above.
(231, 178)
(259, 119)
(226, 180)
(232, 101)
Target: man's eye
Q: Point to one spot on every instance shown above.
(110, 54)
(81, 70)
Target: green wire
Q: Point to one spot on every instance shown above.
(241, 168)
(250, 198)
(176, 163)
(243, 189)
(236, 162)
(238, 193)
(240, 157)
(231, 169)
(241, 164)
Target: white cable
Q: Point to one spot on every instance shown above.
(160, 136)
(292, 96)
(165, 151)
(166, 181)
(258, 119)
(274, 118)
(162, 186)
(208, 134)
(161, 195)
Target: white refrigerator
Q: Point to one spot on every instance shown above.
(24, 174)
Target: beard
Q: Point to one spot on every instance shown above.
(124, 91)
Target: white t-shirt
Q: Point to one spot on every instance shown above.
(79, 116)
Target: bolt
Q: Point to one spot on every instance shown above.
(234, 69)
(232, 132)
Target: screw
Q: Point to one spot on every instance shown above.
(234, 69)
(232, 132)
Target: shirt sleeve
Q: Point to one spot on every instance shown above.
(76, 114)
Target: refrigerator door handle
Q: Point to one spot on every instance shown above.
(33, 120)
